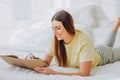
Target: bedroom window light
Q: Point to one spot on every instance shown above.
(21, 9)
(62, 4)
(28, 11)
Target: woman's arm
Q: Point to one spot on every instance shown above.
(85, 68)
(48, 59)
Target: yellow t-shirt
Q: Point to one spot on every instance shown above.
(81, 49)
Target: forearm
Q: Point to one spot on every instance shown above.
(70, 74)
(84, 70)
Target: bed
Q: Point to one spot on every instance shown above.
(31, 40)
(106, 72)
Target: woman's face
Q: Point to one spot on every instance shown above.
(59, 30)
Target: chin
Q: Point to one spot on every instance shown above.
(59, 39)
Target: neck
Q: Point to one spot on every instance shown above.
(68, 39)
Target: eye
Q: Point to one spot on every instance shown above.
(58, 28)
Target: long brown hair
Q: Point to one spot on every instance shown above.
(67, 21)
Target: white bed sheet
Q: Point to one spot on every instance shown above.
(7, 72)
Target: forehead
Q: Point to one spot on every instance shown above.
(56, 23)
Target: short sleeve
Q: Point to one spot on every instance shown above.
(87, 51)
(51, 48)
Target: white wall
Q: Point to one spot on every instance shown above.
(6, 14)
(22, 10)
(15, 14)
(110, 8)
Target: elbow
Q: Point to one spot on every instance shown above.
(84, 74)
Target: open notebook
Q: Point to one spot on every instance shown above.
(25, 63)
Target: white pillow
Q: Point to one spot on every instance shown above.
(110, 24)
(85, 16)
(107, 24)
(100, 35)
(40, 25)
(36, 38)
(86, 29)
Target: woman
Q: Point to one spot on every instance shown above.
(74, 48)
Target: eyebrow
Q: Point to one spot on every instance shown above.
(55, 27)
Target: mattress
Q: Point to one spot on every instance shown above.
(8, 72)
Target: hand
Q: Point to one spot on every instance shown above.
(44, 70)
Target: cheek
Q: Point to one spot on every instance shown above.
(62, 34)
(59, 31)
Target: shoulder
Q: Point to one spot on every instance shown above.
(81, 34)
(82, 37)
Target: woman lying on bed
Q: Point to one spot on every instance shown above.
(73, 48)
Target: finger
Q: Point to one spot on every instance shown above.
(37, 71)
(36, 67)
(42, 68)
(44, 72)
